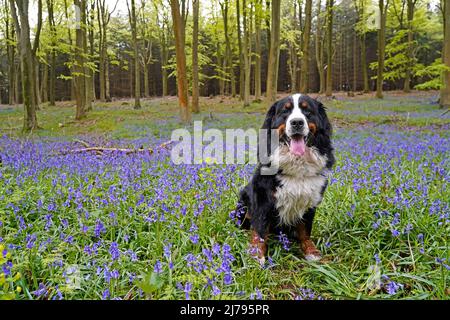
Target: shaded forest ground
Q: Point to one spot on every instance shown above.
(118, 119)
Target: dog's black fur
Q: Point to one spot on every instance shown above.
(257, 204)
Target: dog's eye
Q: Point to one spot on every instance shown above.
(287, 106)
(307, 112)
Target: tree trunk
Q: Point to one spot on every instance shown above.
(246, 49)
(146, 81)
(52, 65)
(101, 73)
(17, 79)
(107, 82)
(241, 53)
(178, 26)
(409, 52)
(319, 50)
(305, 49)
(11, 57)
(44, 82)
(90, 84)
(195, 81)
(364, 64)
(445, 91)
(164, 54)
(27, 60)
(258, 52)
(329, 85)
(137, 71)
(355, 61)
(274, 52)
(79, 74)
(381, 47)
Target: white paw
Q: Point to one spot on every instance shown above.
(261, 261)
(313, 257)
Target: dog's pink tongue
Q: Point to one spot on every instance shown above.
(298, 147)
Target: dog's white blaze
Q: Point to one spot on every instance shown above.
(296, 114)
(301, 184)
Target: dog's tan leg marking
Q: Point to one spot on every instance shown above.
(258, 247)
(309, 249)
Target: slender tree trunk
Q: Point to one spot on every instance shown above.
(178, 26)
(195, 81)
(364, 64)
(52, 66)
(164, 54)
(246, 48)
(329, 84)
(19, 13)
(17, 82)
(267, 21)
(410, 49)
(228, 53)
(11, 57)
(86, 70)
(137, 71)
(305, 49)
(37, 82)
(12, 98)
(258, 52)
(107, 82)
(146, 81)
(355, 61)
(79, 67)
(34, 49)
(274, 52)
(44, 82)
(381, 47)
(90, 85)
(101, 72)
(445, 91)
(241, 53)
(297, 59)
(319, 49)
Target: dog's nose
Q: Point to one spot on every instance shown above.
(297, 123)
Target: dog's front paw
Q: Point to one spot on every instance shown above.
(313, 257)
(258, 248)
(310, 251)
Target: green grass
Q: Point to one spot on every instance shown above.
(390, 172)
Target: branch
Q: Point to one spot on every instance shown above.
(39, 27)
(100, 150)
(15, 18)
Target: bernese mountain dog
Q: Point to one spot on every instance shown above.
(286, 200)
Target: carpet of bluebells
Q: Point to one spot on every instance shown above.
(118, 226)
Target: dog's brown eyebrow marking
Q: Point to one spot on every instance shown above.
(288, 105)
(304, 104)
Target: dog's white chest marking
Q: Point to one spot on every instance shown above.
(301, 183)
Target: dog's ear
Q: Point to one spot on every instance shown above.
(324, 124)
(323, 138)
(269, 117)
(267, 125)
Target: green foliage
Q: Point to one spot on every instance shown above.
(9, 285)
(433, 73)
(397, 60)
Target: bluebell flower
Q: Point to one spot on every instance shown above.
(158, 267)
(106, 294)
(114, 251)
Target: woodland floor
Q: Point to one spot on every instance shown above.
(130, 226)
